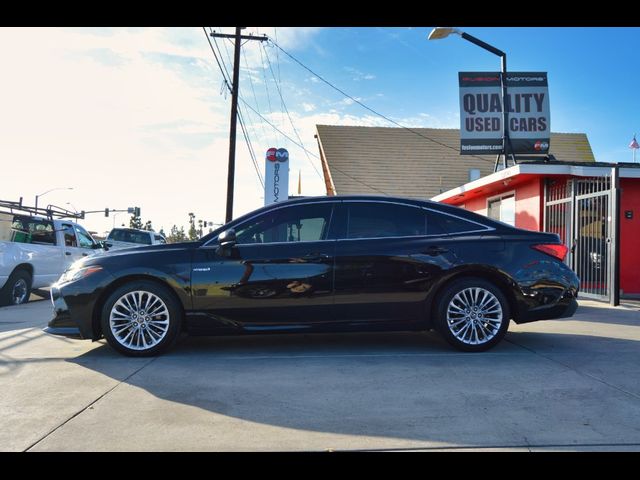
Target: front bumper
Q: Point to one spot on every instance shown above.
(73, 306)
(61, 323)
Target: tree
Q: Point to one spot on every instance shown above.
(148, 226)
(135, 222)
(193, 233)
(176, 235)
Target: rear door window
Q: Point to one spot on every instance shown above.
(380, 220)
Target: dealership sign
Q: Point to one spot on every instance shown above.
(276, 176)
(481, 112)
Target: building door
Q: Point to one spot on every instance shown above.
(579, 211)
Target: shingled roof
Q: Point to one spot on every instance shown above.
(396, 161)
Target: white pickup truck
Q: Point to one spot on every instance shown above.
(120, 238)
(35, 251)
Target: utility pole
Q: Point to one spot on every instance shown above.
(235, 87)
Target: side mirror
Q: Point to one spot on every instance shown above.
(102, 244)
(227, 239)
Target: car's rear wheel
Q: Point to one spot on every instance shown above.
(141, 318)
(17, 290)
(472, 314)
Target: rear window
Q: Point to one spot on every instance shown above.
(130, 237)
(457, 225)
(22, 229)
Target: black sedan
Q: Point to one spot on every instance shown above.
(325, 264)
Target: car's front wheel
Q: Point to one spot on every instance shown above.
(141, 318)
(472, 314)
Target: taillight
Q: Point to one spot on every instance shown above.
(556, 250)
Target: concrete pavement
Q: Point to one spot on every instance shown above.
(570, 384)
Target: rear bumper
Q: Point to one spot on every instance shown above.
(564, 308)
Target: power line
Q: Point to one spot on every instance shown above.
(252, 153)
(217, 61)
(225, 72)
(234, 110)
(222, 70)
(369, 108)
(253, 90)
(295, 130)
(266, 84)
(303, 148)
(240, 119)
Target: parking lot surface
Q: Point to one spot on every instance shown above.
(571, 384)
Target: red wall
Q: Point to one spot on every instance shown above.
(529, 205)
(528, 202)
(630, 236)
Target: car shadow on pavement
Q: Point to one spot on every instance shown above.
(406, 386)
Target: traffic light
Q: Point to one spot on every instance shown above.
(106, 212)
(136, 211)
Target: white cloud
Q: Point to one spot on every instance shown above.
(133, 117)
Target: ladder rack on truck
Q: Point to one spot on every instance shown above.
(51, 212)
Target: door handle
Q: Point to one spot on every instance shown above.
(434, 250)
(85, 254)
(316, 257)
(67, 253)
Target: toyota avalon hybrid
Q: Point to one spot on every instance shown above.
(325, 264)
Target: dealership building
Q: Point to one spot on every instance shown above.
(594, 207)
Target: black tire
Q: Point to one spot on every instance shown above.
(482, 329)
(18, 284)
(173, 317)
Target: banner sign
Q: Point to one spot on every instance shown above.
(276, 176)
(481, 112)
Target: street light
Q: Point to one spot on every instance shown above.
(53, 189)
(443, 32)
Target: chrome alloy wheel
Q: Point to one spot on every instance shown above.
(474, 316)
(139, 320)
(19, 291)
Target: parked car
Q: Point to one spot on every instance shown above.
(131, 237)
(34, 251)
(323, 264)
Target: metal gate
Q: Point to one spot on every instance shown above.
(578, 210)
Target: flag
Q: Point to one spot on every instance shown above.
(634, 144)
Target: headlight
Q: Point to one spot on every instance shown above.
(76, 273)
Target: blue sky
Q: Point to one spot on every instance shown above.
(136, 116)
